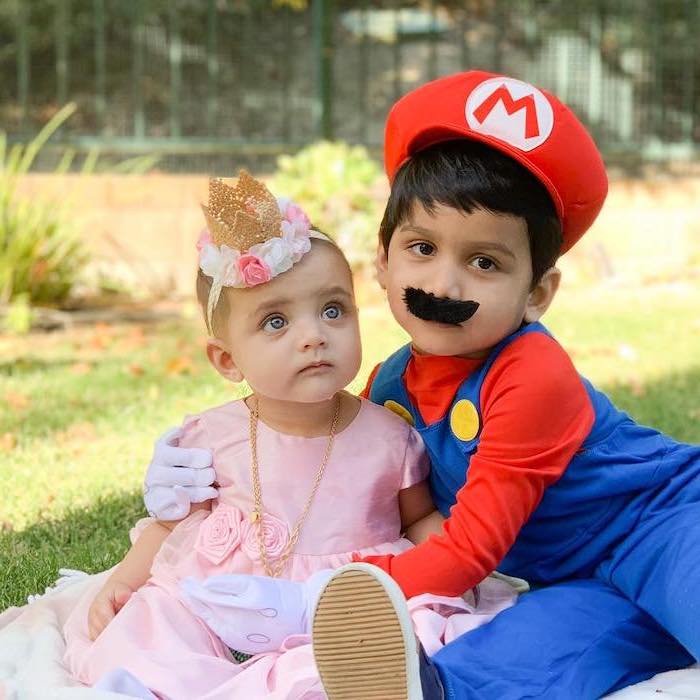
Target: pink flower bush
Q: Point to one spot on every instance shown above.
(219, 534)
(275, 538)
(253, 270)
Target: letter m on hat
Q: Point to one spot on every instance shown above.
(510, 110)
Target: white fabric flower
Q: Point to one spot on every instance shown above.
(221, 264)
(276, 253)
(283, 203)
(296, 236)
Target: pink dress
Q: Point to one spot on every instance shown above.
(171, 651)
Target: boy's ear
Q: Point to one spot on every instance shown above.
(381, 261)
(222, 361)
(541, 296)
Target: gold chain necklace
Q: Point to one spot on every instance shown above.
(257, 514)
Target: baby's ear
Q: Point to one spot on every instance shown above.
(541, 296)
(222, 361)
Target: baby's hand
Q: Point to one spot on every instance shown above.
(108, 602)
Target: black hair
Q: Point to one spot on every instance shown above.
(468, 175)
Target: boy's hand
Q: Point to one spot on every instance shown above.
(254, 613)
(108, 602)
(177, 477)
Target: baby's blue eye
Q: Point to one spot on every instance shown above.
(332, 312)
(274, 323)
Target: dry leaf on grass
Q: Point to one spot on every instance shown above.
(16, 401)
(179, 365)
(133, 340)
(80, 368)
(637, 388)
(101, 337)
(8, 442)
(78, 432)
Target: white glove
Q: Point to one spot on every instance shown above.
(253, 614)
(177, 477)
(126, 684)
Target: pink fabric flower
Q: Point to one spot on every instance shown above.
(296, 238)
(219, 534)
(253, 270)
(295, 215)
(204, 239)
(275, 537)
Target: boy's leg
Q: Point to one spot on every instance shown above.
(363, 640)
(579, 639)
(658, 564)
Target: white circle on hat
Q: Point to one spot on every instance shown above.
(510, 110)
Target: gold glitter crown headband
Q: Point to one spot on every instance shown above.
(251, 236)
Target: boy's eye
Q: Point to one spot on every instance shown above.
(423, 249)
(483, 263)
(332, 312)
(274, 323)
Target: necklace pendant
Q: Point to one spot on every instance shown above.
(254, 516)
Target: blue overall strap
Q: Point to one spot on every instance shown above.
(388, 388)
(451, 440)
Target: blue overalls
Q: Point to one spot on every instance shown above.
(618, 534)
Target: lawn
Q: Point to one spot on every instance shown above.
(79, 410)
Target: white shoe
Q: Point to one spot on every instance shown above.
(363, 639)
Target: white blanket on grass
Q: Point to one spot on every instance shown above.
(32, 647)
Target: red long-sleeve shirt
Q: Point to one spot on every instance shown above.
(536, 414)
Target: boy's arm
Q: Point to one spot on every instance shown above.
(536, 414)
(177, 477)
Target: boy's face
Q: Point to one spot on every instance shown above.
(479, 257)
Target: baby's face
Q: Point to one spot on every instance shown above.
(297, 337)
(479, 257)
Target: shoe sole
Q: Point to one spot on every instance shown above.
(363, 640)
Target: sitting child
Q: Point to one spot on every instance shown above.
(308, 475)
(540, 474)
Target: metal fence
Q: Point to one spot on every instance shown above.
(197, 80)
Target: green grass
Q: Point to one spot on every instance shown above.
(79, 411)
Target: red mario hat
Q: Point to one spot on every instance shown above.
(530, 125)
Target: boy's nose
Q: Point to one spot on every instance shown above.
(445, 283)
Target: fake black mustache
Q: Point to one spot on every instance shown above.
(428, 307)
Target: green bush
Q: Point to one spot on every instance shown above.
(336, 185)
(41, 255)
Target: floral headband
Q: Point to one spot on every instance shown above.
(251, 236)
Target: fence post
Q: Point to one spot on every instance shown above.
(23, 64)
(322, 22)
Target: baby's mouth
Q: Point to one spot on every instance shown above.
(319, 366)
